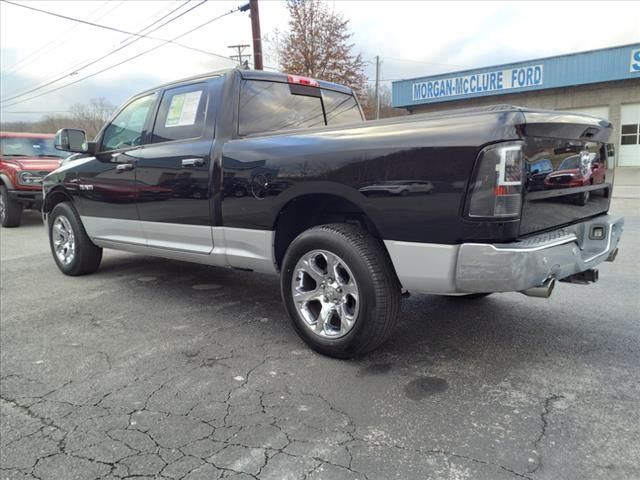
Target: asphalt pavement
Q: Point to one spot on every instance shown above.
(159, 369)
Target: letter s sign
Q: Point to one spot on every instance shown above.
(635, 61)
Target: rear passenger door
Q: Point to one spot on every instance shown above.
(173, 173)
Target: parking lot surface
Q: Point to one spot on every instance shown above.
(159, 369)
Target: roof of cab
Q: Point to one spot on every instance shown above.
(283, 77)
(194, 78)
(246, 74)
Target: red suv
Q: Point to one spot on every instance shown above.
(25, 158)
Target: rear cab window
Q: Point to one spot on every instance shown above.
(340, 108)
(268, 106)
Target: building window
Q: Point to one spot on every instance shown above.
(629, 134)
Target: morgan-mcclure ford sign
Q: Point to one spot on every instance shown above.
(522, 77)
(635, 61)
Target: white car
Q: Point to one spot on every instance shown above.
(399, 187)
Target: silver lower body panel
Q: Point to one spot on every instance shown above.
(218, 246)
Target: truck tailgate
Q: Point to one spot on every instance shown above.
(567, 179)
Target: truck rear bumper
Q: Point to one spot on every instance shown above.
(518, 266)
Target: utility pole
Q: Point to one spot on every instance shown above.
(377, 96)
(257, 38)
(239, 57)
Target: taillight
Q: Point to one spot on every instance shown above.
(496, 190)
(298, 80)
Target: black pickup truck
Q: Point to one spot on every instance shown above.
(278, 173)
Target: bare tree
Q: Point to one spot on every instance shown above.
(91, 117)
(386, 109)
(53, 123)
(317, 45)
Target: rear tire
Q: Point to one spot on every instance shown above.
(10, 210)
(72, 249)
(351, 274)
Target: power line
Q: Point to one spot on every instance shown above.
(162, 10)
(61, 40)
(74, 70)
(126, 32)
(72, 19)
(133, 58)
(240, 56)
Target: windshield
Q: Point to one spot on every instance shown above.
(570, 163)
(29, 147)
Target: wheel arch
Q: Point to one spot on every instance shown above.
(55, 197)
(6, 181)
(312, 209)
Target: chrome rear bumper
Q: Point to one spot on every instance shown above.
(529, 263)
(511, 267)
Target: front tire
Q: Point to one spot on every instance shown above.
(340, 290)
(72, 249)
(10, 210)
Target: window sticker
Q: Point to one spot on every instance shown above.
(183, 109)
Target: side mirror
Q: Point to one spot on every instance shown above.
(71, 140)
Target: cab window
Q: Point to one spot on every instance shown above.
(340, 108)
(128, 128)
(272, 106)
(181, 114)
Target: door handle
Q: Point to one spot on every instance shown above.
(124, 167)
(192, 162)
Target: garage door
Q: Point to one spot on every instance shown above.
(600, 112)
(629, 152)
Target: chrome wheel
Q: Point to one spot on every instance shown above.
(64, 241)
(3, 208)
(325, 294)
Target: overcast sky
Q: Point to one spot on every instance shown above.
(412, 38)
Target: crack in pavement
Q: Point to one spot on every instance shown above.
(241, 410)
(546, 411)
(120, 467)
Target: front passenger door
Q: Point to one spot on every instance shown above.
(107, 191)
